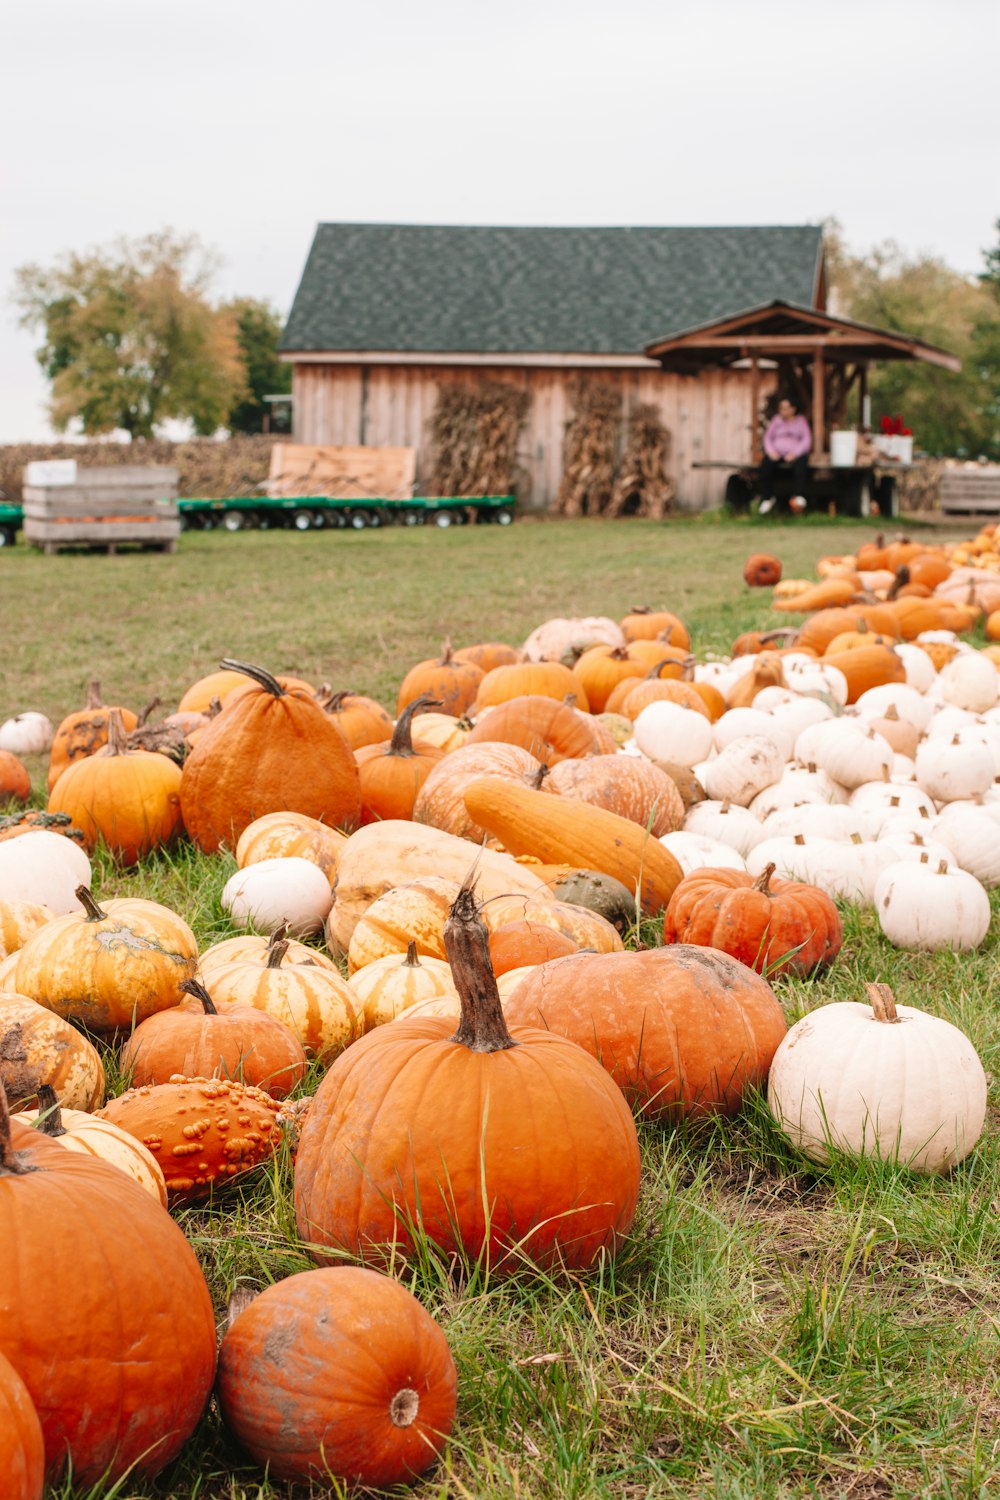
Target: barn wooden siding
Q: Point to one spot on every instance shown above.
(707, 416)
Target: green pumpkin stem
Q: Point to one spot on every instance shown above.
(197, 989)
(49, 1112)
(882, 1002)
(12, 1163)
(259, 675)
(86, 899)
(402, 736)
(467, 945)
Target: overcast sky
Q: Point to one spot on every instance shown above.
(247, 122)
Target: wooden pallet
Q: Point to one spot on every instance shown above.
(971, 491)
(104, 508)
(342, 473)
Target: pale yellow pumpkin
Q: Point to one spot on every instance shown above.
(77, 1131)
(389, 986)
(312, 1001)
(253, 948)
(413, 913)
(284, 835)
(38, 1047)
(18, 920)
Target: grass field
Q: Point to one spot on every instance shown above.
(770, 1329)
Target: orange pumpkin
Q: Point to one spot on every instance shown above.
(360, 720)
(518, 944)
(83, 733)
(22, 1447)
(15, 783)
(761, 570)
(645, 624)
(629, 785)
(867, 667)
(217, 685)
(551, 731)
(391, 773)
(441, 801)
(544, 679)
(603, 668)
(658, 690)
(489, 655)
(267, 751)
(774, 926)
(454, 683)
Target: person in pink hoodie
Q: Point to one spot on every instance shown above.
(788, 440)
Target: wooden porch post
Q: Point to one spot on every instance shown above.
(754, 411)
(862, 396)
(818, 411)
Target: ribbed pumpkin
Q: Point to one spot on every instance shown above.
(584, 927)
(602, 669)
(490, 654)
(388, 986)
(15, 783)
(22, 1446)
(866, 667)
(313, 1002)
(762, 570)
(108, 968)
(531, 679)
(660, 690)
(360, 720)
(441, 802)
(38, 1048)
(338, 1375)
(200, 694)
(509, 1147)
(442, 731)
(18, 920)
(392, 772)
(629, 785)
(557, 831)
(141, 1341)
(253, 948)
(683, 1031)
(288, 835)
(411, 913)
(518, 945)
(77, 1130)
(83, 733)
(128, 800)
(239, 1042)
(645, 624)
(776, 926)
(268, 751)
(929, 568)
(454, 683)
(202, 1132)
(824, 627)
(549, 730)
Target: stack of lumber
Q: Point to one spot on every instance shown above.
(101, 507)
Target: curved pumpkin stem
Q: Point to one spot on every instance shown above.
(763, 881)
(214, 707)
(467, 944)
(276, 952)
(153, 704)
(259, 675)
(86, 899)
(12, 1163)
(49, 1111)
(195, 988)
(882, 1002)
(332, 703)
(401, 742)
(537, 777)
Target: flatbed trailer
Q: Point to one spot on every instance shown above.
(313, 512)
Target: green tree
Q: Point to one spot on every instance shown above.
(258, 329)
(921, 295)
(130, 337)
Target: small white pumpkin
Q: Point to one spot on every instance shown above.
(826, 820)
(970, 681)
(275, 891)
(974, 838)
(43, 868)
(846, 750)
(920, 671)
(952, 770)
(693, 851)
(801, 712)
(669, 732)
(800, 786)
(878, 1080)
(909, 704)
(743, 769)
(724, 823)
(735, 723)
(840, 868)
(26, 734)
(928, 906)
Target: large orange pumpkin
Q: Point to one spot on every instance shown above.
(509, 1148)
(392, 772)
(141, 1339)
(542, 679)
(683, 1031)
(774, 926)
(441, 801)
(22, 1447)
(267, 751)
(629, 785)
(550, 730)
(83, 733)
(338, 1374)
(454, 683)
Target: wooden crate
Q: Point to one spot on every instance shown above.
(102, 507)
(342, 473)
(971, 491)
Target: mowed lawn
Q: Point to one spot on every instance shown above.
(770, 1329)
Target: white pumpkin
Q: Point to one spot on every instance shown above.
(804, 674)
(693, 851)
(737, 722)
(274, 891)
(928, 906)
(908, 703)
(770, 698)
(801, 712)
(799, 786)
(824, 820)
(878, 1080)
(882, 798)
(669, 732)
(566, 640)
(743, 769)
(26, 734)
(974, 839)
(970, 681)
(45, 869)
(724, 823)
(846, 750)
(950, 770)
(920, 670)
(840, 868)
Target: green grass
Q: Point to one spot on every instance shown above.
(769, 1329)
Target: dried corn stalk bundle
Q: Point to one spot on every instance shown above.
(237, 466)
(643, 472)
(590, 450)
(919, 488)
(475, 430)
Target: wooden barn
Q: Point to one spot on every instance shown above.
(387, 315)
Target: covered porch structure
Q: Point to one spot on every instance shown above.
(822, 362)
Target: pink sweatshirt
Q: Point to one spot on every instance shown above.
(788, 439)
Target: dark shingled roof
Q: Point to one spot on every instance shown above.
(439, 288)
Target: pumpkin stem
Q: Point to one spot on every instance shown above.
(278, 935)
(259, 675)
(90, 906)
(12, 1163)
(117, 738)
(197, 989)
(49, 1113)
(641, 609)
(276, 952)
(763, 881)
(94, 694)
(467, 945)
(446, 653)
(214, 707)
(619, 653)
(880, 998)
(411, 961)
(153, 703)
(332, 703)
(900, 581)
(537, 777)
(404, 1406)
(891, 713)
(402, 736)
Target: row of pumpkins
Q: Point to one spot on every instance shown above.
(680, 1030)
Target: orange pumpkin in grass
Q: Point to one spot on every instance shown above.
(645, 624)
(761, 570)
(672, 661)
(545, 679)
(441, 802)
(22, 1447)
(454, 683)
(516, 945)
(392, 772)
(84, 733)
(683, 1031)
(664, 669)
(360, 720)
(668, 690)
(629, 785)
(929, 569)
(200, 694)
(550, 730)
(15, 783)
(489, 655)
(780, 926)
(867, 667)
(602, 669)
(268, 751)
